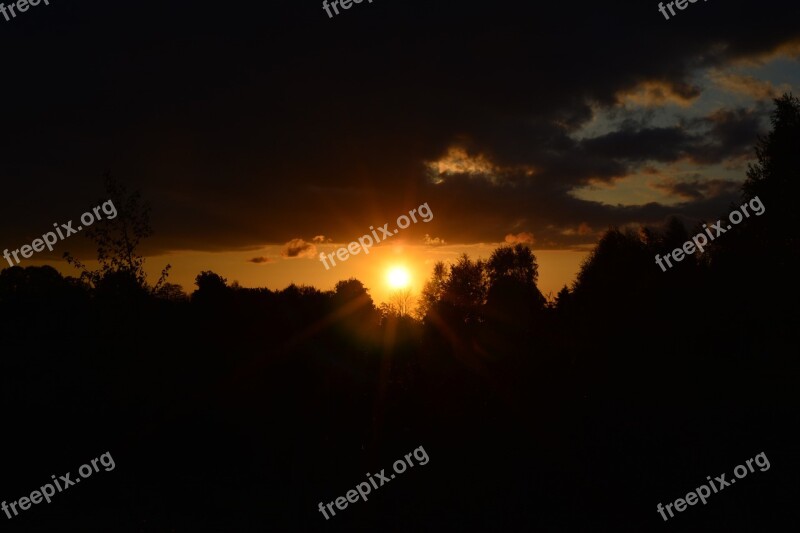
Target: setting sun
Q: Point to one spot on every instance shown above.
(398, 277)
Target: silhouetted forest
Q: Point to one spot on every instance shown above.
(238, 409)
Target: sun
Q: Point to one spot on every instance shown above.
(398, 277)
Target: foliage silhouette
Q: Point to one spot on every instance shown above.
(117, 242)
(238, 408)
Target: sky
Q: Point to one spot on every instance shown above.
(265, 133)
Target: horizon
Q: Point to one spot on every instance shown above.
(412, 267)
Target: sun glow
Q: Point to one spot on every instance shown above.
(398, 277)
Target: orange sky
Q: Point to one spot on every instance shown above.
(556, 267)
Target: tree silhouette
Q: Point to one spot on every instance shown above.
(171, 292)
(211, 288)
(433, 289)
(617, 275)
(466, 289)
(776, 171)
(513, 299)
(515, 262)
(118, 241)
(401, 303)
(455, 295)
(775, 180)
(563, 297)
(674, 235)
(353, 305)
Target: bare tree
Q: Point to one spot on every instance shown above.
(401, 302)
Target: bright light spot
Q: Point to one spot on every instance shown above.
(398, 277)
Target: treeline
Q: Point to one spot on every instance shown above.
(231, 409)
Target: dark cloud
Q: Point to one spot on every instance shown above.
(724, 134)
(523, 237)
(646, 144)
(260, 260)
(250, 125)
(698, 188)
(733, 133)
(299, 248)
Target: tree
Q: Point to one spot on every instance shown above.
(118, 239)
(562, 302)
(211, 288)
(467, 285)
(513, 262)
(764, 250)
(616, 275)
(775, 175)
(433, 289)
(352, 300)
(37, 288)
(171, 292)
(674, 235)
(353, 310)
(513, 297)
(401, 302)
(775, 180)
(457, 295)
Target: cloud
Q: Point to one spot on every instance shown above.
(524, 237)
(747, 85)
(698, 188)
(459, 162)
(783, 49)
(299, 248)
(652, 93)
(582, 230)
(643, 144)
(732, 134)
(319, 239)
(723, 134)
(433, 242)
(498, 131)
(260, 260)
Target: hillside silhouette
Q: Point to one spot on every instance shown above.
(239, 409)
